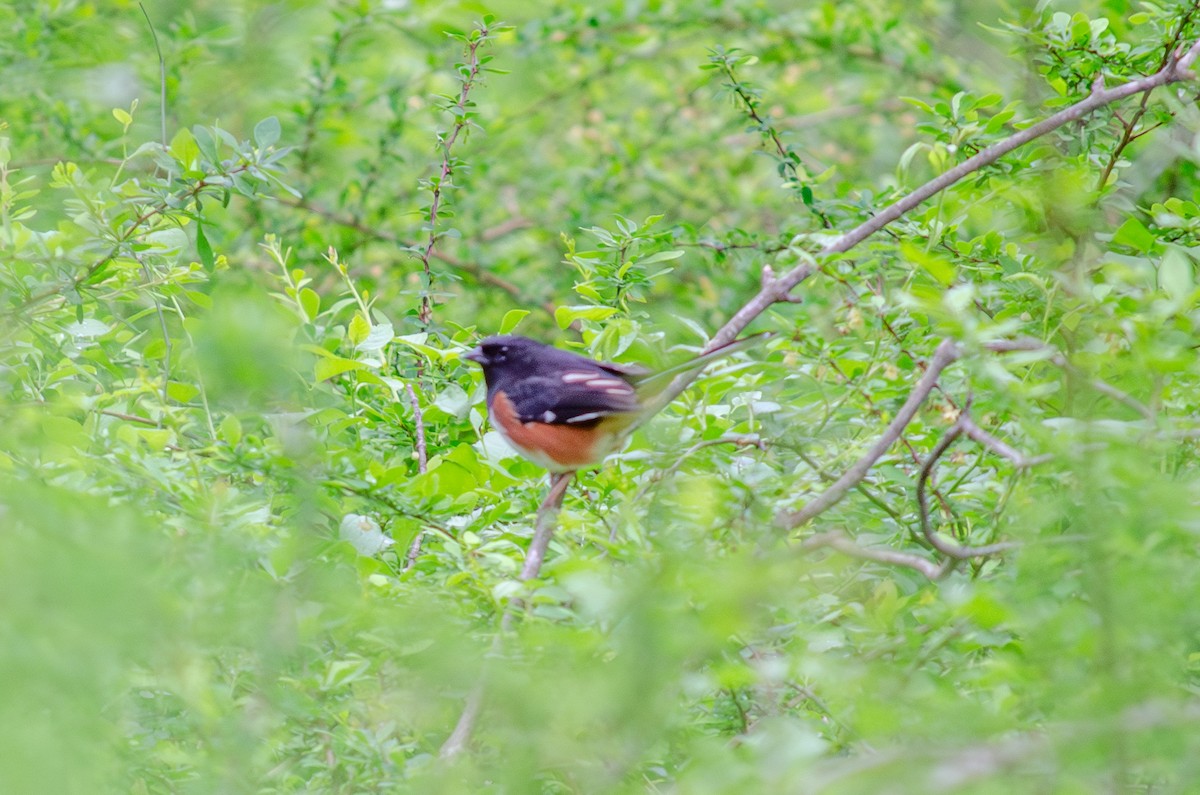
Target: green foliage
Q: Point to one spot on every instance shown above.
(257, 536)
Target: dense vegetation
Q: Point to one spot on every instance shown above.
(256, 534)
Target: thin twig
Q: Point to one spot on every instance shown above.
(472, 269)
(414, 549)
(946, 353)
(977, 434)
(740, 440)
(418, 429)
(948, 549)
(1127, 133)
(162, 77)
(544, 529)
(462, 117)
(130, 417)
(162, 325)
(1103, 387)
(456, 743)
(841, 543)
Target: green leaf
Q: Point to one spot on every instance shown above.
(661, 256)
(182, 392)
(267, 132)
(359, 330)
(310, 301)
(1175, 275)
(1133, 233)
(512, 319)
(325, 369)
(933, 263)
(185, 149)
(566, 315)
(231, 430)
(204, 249)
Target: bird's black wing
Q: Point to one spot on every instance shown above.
(580, 394)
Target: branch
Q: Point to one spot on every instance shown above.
(1127, 133)
(472, 269)
(414, 549)
(739, 440)
(950, 550)
(1176, 69)
(544, 529)
(946, 353)
(846, 546)
(1103, 387)
(979, 435)
(456, 743)
(459, 110)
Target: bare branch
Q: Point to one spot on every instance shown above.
(544, 529)
(1104, 388)
(948, 549)
(1175, 70)
(472, 269)
(414, 548)
(977, 434)
(456, 743)
(843, 544)
(418, 429)
(1058, 359)
(741, 440)
(946, 353)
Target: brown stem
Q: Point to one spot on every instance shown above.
(841, 543)
(946, 353)
(950, 550)
(456, 743)
(778, 290)
(544, 529)
(459, 111)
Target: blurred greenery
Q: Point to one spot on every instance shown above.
(225, 565)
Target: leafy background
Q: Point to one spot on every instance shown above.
(226, 566)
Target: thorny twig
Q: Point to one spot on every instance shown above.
(470, 74)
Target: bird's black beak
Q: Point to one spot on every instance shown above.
(475, 355)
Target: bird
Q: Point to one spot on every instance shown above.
(565, 412)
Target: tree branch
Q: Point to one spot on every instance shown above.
(456, 743)
(950, 550)
(946, 353)
(843, 544)
(777, 290)
(414, 548)
(979, 435)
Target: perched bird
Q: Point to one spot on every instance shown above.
(566, 412)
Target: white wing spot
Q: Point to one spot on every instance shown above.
(549, 416)
(602, 383)
(574, 378)
(591, 415)
(624, 391)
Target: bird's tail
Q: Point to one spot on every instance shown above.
(655, 382)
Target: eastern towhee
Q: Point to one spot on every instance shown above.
(566, 412)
